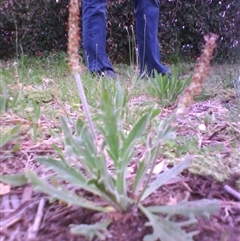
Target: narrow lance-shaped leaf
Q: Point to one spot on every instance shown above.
(110, 129)
(136, 132)
(143, 166)
(88, 150)
(127, 151)
(64, 195)
(154, 113)
(141, 173)
(196, 208)
(3, 104)
(107, 186)
(70, 174)
(3, 97)
(82, 147)
(166, 176)
(59, 152)
(15, 100)
(36, 111)
(165, 131)
(14, 180)
(9, 135)
(79, 126)
(120, 97)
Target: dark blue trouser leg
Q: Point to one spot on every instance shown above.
(147, 16)
(94, 35)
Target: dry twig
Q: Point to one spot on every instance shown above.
(15, 216)
(35, 227)
(232, 192)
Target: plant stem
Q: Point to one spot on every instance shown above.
(149, 175)
(85, 105)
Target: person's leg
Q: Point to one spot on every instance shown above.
(147, 16)
(94, 35)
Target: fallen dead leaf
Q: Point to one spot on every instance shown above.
(4, 189)
(158, 168)
(172, 201)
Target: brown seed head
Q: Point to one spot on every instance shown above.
(73, 36)
(199, 75)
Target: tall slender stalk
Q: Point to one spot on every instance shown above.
(74, 58)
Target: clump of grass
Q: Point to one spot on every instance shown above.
(167, 89)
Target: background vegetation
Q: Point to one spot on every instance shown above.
(38, 27)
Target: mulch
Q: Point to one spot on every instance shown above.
(54, 226)
(57, 216)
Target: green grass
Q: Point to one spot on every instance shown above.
(48, 83)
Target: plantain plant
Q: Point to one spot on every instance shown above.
(89, 149)
(118, 148)
(167, 88)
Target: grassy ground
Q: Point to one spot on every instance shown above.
(44, 90)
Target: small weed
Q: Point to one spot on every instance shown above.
(167, 89)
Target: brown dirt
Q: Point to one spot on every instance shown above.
(57, 217)
(223, 226)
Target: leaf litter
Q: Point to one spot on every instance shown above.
(56, 216)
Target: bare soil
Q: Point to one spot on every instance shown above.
(225, 225)
(19, 206)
